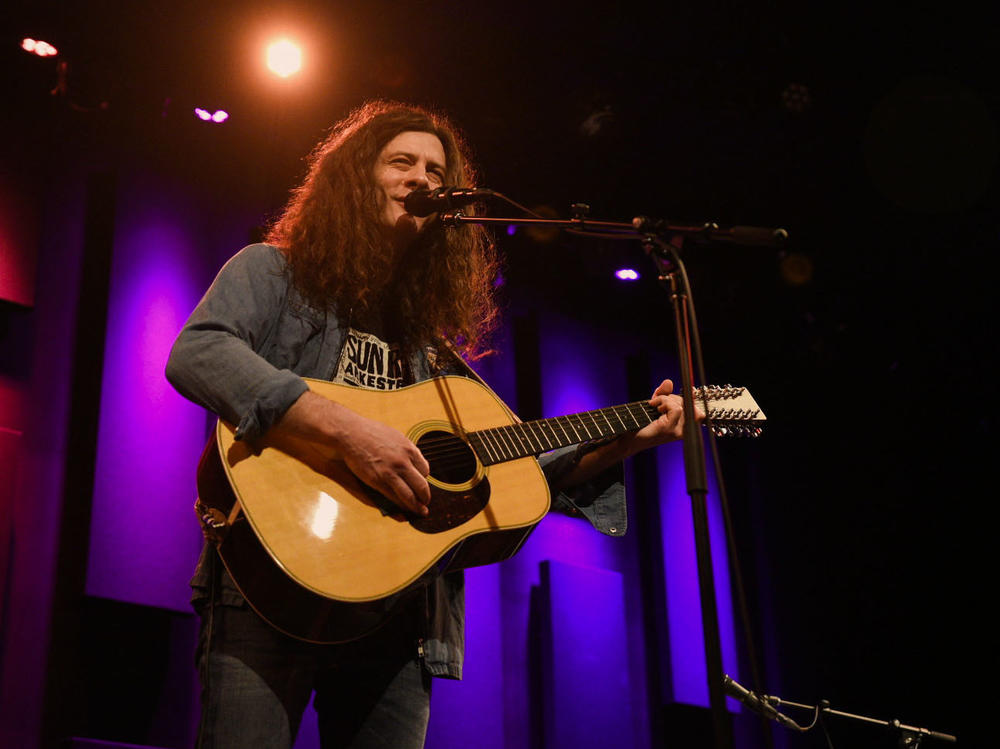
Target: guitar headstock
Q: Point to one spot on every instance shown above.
(732, 411)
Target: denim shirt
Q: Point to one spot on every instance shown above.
(243, 353)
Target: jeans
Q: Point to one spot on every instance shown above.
(256, 683)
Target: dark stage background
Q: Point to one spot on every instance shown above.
(870, 134)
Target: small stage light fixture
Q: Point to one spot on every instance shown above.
(37, 47)
(220, 115)
(284, 58)
(627, 274)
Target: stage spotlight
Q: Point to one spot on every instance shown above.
(284, 58)
(40, 48)
(220, 115)
(626, 274)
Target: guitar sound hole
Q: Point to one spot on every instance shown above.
(451, 460)
(456, 497)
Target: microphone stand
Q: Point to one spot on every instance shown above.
(670, 271)
(909, 736)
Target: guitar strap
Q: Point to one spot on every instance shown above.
(473, 374)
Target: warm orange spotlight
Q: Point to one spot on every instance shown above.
(284, 57)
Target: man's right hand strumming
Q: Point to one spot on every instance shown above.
(380, 456)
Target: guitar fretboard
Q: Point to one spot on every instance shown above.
(526, 438)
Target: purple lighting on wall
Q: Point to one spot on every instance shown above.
(143, 539)
(687, 642)
(627, 274)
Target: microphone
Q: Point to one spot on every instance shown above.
(757, 236)
(757, 704)
(424, 202)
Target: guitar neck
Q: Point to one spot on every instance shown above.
(729, 410)
(526, 438)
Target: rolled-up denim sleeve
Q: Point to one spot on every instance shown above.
(600, 500)
(215, 361)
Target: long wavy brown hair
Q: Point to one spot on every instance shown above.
(440, 288)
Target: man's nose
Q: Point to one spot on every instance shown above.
(417, 179)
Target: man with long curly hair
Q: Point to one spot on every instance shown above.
(351, 288)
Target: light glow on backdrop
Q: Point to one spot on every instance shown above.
(689, 673)
(627, 274)
(143, 539)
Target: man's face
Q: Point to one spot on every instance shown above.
(410, 161)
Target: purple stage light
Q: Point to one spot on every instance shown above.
(220, 115)
(626, 274)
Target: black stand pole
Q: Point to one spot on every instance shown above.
(697, 488)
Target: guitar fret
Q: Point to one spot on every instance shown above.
(618, 416)
(514, 448)
(550, 434)
(481, 448)
(532, 425)
(525, 439)
(490, 440)
(631, 412)
(531, 430)
(484, 445)
(526, 433)
(611, 429)
(506, 435)
(565, 434)
(652, 413)
(576, 431)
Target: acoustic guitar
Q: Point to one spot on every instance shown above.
(325, 558)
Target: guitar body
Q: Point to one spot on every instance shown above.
(324, 558)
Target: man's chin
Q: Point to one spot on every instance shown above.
(404, 230)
